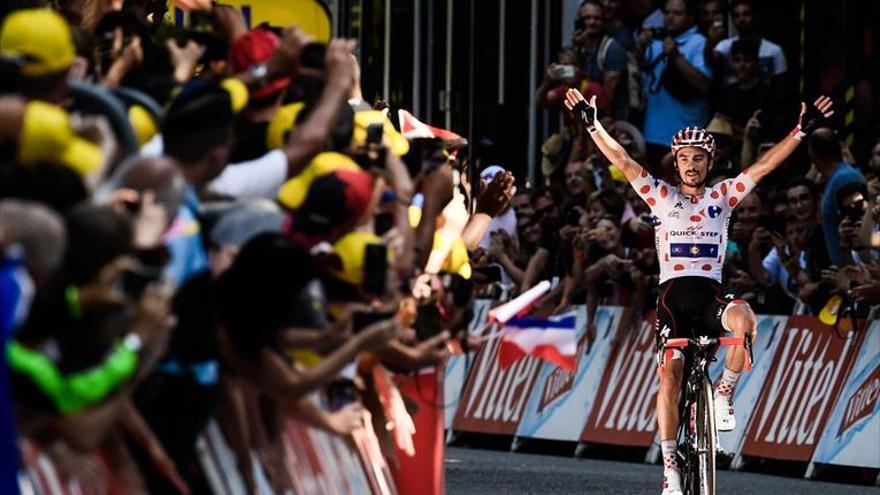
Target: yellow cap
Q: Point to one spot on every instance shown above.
(350, 249)
(238, 93)
(617, 174)
(393, 139)
(46, 136)
(282, 122)
(829, 313)
(457, 261)
(294, 191)
(143, 123)
(41, 37)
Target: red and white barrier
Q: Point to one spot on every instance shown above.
(811, 364)
(852, 434)
(562, 399)
(493, 400)
(623, 412)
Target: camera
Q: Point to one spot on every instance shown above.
(659, 33)
(854, 212)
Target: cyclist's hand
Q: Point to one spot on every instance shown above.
(586, 112)
(814, 116)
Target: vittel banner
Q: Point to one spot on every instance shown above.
(494, 399)
(456, 365)
(623, 413)
(852, 436)
(561, 399)
(811, 364)
(751, 382)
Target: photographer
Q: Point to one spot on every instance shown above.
(677, 77)
(604, 58)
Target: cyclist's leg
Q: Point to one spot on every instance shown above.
(671, 369)
(738, 317)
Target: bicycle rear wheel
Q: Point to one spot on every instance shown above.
(706, 439)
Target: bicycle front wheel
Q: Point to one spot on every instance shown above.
(706, 439)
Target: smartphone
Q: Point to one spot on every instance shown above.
(427, 321)
(374, 134)
(774, 224)
(490, 273)
(201, 22)
(340, 393)
(567, 71)
(764, 147)
(134, 282)
(313, 55)
(375, 271)
(363, 319)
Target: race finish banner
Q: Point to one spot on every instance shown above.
(810, 366)
(852, 435)
(561, 399)
(494, 399)
(623, 413)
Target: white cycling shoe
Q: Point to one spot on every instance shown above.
(671, 483)
(724, 419)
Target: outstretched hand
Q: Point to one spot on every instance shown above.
(586, 112)
(813, 116)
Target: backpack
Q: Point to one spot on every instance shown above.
(633, 76)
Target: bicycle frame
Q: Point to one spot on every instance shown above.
(697, 435)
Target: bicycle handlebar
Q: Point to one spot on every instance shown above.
(704, 342)
(681, 343)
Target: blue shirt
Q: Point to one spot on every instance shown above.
(614, 61)
(16, 291)
(184, 241)
(844, 174)
(665, 115)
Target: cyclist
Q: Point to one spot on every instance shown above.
(691, 239)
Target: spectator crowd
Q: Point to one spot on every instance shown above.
(211, 223)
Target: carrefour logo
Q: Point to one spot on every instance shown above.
(714, 211)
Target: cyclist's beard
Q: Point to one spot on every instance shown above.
(692, 182)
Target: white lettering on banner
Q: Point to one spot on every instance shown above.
(557, 383)
(862, 402)
(632, 407)
(806, 378)
(501, 394)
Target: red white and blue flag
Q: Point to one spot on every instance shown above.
(552, 339)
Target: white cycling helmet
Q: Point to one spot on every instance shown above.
(696, 137)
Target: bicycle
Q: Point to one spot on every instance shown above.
(697, 444)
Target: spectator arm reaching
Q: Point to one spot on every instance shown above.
(309, 138)
(534, 268)
(276, 378)
(756, 261)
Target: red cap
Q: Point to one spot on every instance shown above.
(256, 47)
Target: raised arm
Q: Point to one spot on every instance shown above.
(811, 117)
(613, 151)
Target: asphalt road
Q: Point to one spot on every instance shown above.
(474, 471)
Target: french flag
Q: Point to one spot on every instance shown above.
(552, 339)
